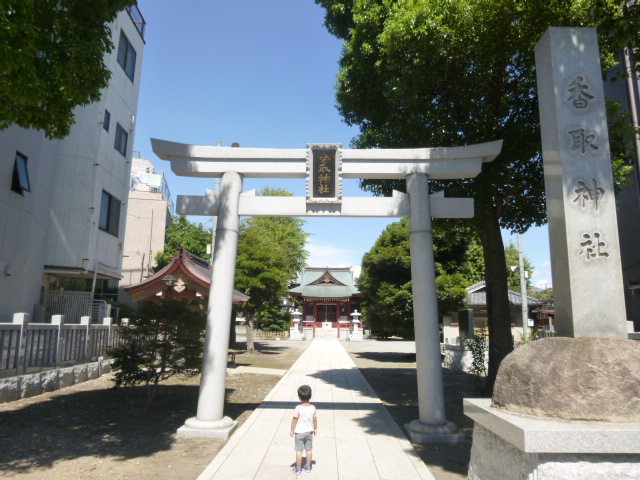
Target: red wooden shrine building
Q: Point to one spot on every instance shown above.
(187, 277)
(327, 297)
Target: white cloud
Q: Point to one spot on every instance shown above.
(542, 274)
(543, 284)
(331, 256)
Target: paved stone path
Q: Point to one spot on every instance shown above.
(357, 437)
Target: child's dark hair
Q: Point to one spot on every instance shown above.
(304, 393)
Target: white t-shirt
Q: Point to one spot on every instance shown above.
(305, 413)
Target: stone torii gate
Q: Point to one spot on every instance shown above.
(324, 166)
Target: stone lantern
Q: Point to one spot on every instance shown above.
(356, 332)
(296, 332)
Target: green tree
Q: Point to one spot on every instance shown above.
(193, 237)
(546, 296)
(272, 319)
(474, 269)
(417, 73)
(271, 254)
(167, 338)
(385, 280)
(512, 259)
(52, 60)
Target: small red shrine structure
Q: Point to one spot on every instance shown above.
(187, 277)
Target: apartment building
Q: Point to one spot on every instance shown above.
(627, 92)
(63, 202)
(149, 213)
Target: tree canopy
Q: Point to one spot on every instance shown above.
(52, 60)
(271, 254)
(385, 280)
(424, 73)
(512, 258)
(194, 237)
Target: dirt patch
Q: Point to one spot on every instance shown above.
(390, 368)
(93, 431)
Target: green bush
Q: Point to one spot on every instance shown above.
(166, 339)
(478, 345)
(273, 319)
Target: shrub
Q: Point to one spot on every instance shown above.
(167, 339)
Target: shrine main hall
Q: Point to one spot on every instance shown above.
(327, 297)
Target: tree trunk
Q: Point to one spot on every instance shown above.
(499, 315)
(250, 345)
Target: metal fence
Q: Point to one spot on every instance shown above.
(28, 346)
(73, 305)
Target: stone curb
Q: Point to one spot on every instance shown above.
(33, 384)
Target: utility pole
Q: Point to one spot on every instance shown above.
(523, 290)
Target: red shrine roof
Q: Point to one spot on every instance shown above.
(193, 280)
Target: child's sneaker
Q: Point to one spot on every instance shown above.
(298, 471)
(307, 469)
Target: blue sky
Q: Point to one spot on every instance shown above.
(260, 73)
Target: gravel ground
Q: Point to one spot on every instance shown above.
(93, 431)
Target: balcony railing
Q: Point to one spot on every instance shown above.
(137, 19)
(154, 183)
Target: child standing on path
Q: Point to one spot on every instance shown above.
(304, 426)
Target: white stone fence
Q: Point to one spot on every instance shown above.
(26, 347)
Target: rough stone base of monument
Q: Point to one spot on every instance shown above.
(422, 433)
(587, 378)
(523, 447)
(194, 428)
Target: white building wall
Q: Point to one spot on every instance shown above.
(24, 219)
(53, 224)
(89, 164)
(148, 215)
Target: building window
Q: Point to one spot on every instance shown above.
(126, 56)
(109, 214)
(20, 181)
(121, 140)
(107, 120)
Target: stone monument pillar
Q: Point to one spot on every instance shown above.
(569, 407)
(209, 421)
(583, 232)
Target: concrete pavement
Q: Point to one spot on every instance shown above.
(357, 437)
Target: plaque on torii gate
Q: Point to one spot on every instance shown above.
(324, 166)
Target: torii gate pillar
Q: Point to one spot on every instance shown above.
(209, 421)
(432, 426)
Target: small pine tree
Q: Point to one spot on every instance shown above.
(167, 339)
(273, 320)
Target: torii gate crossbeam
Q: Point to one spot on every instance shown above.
(324, 166)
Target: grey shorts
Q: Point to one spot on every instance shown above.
(304, 441)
